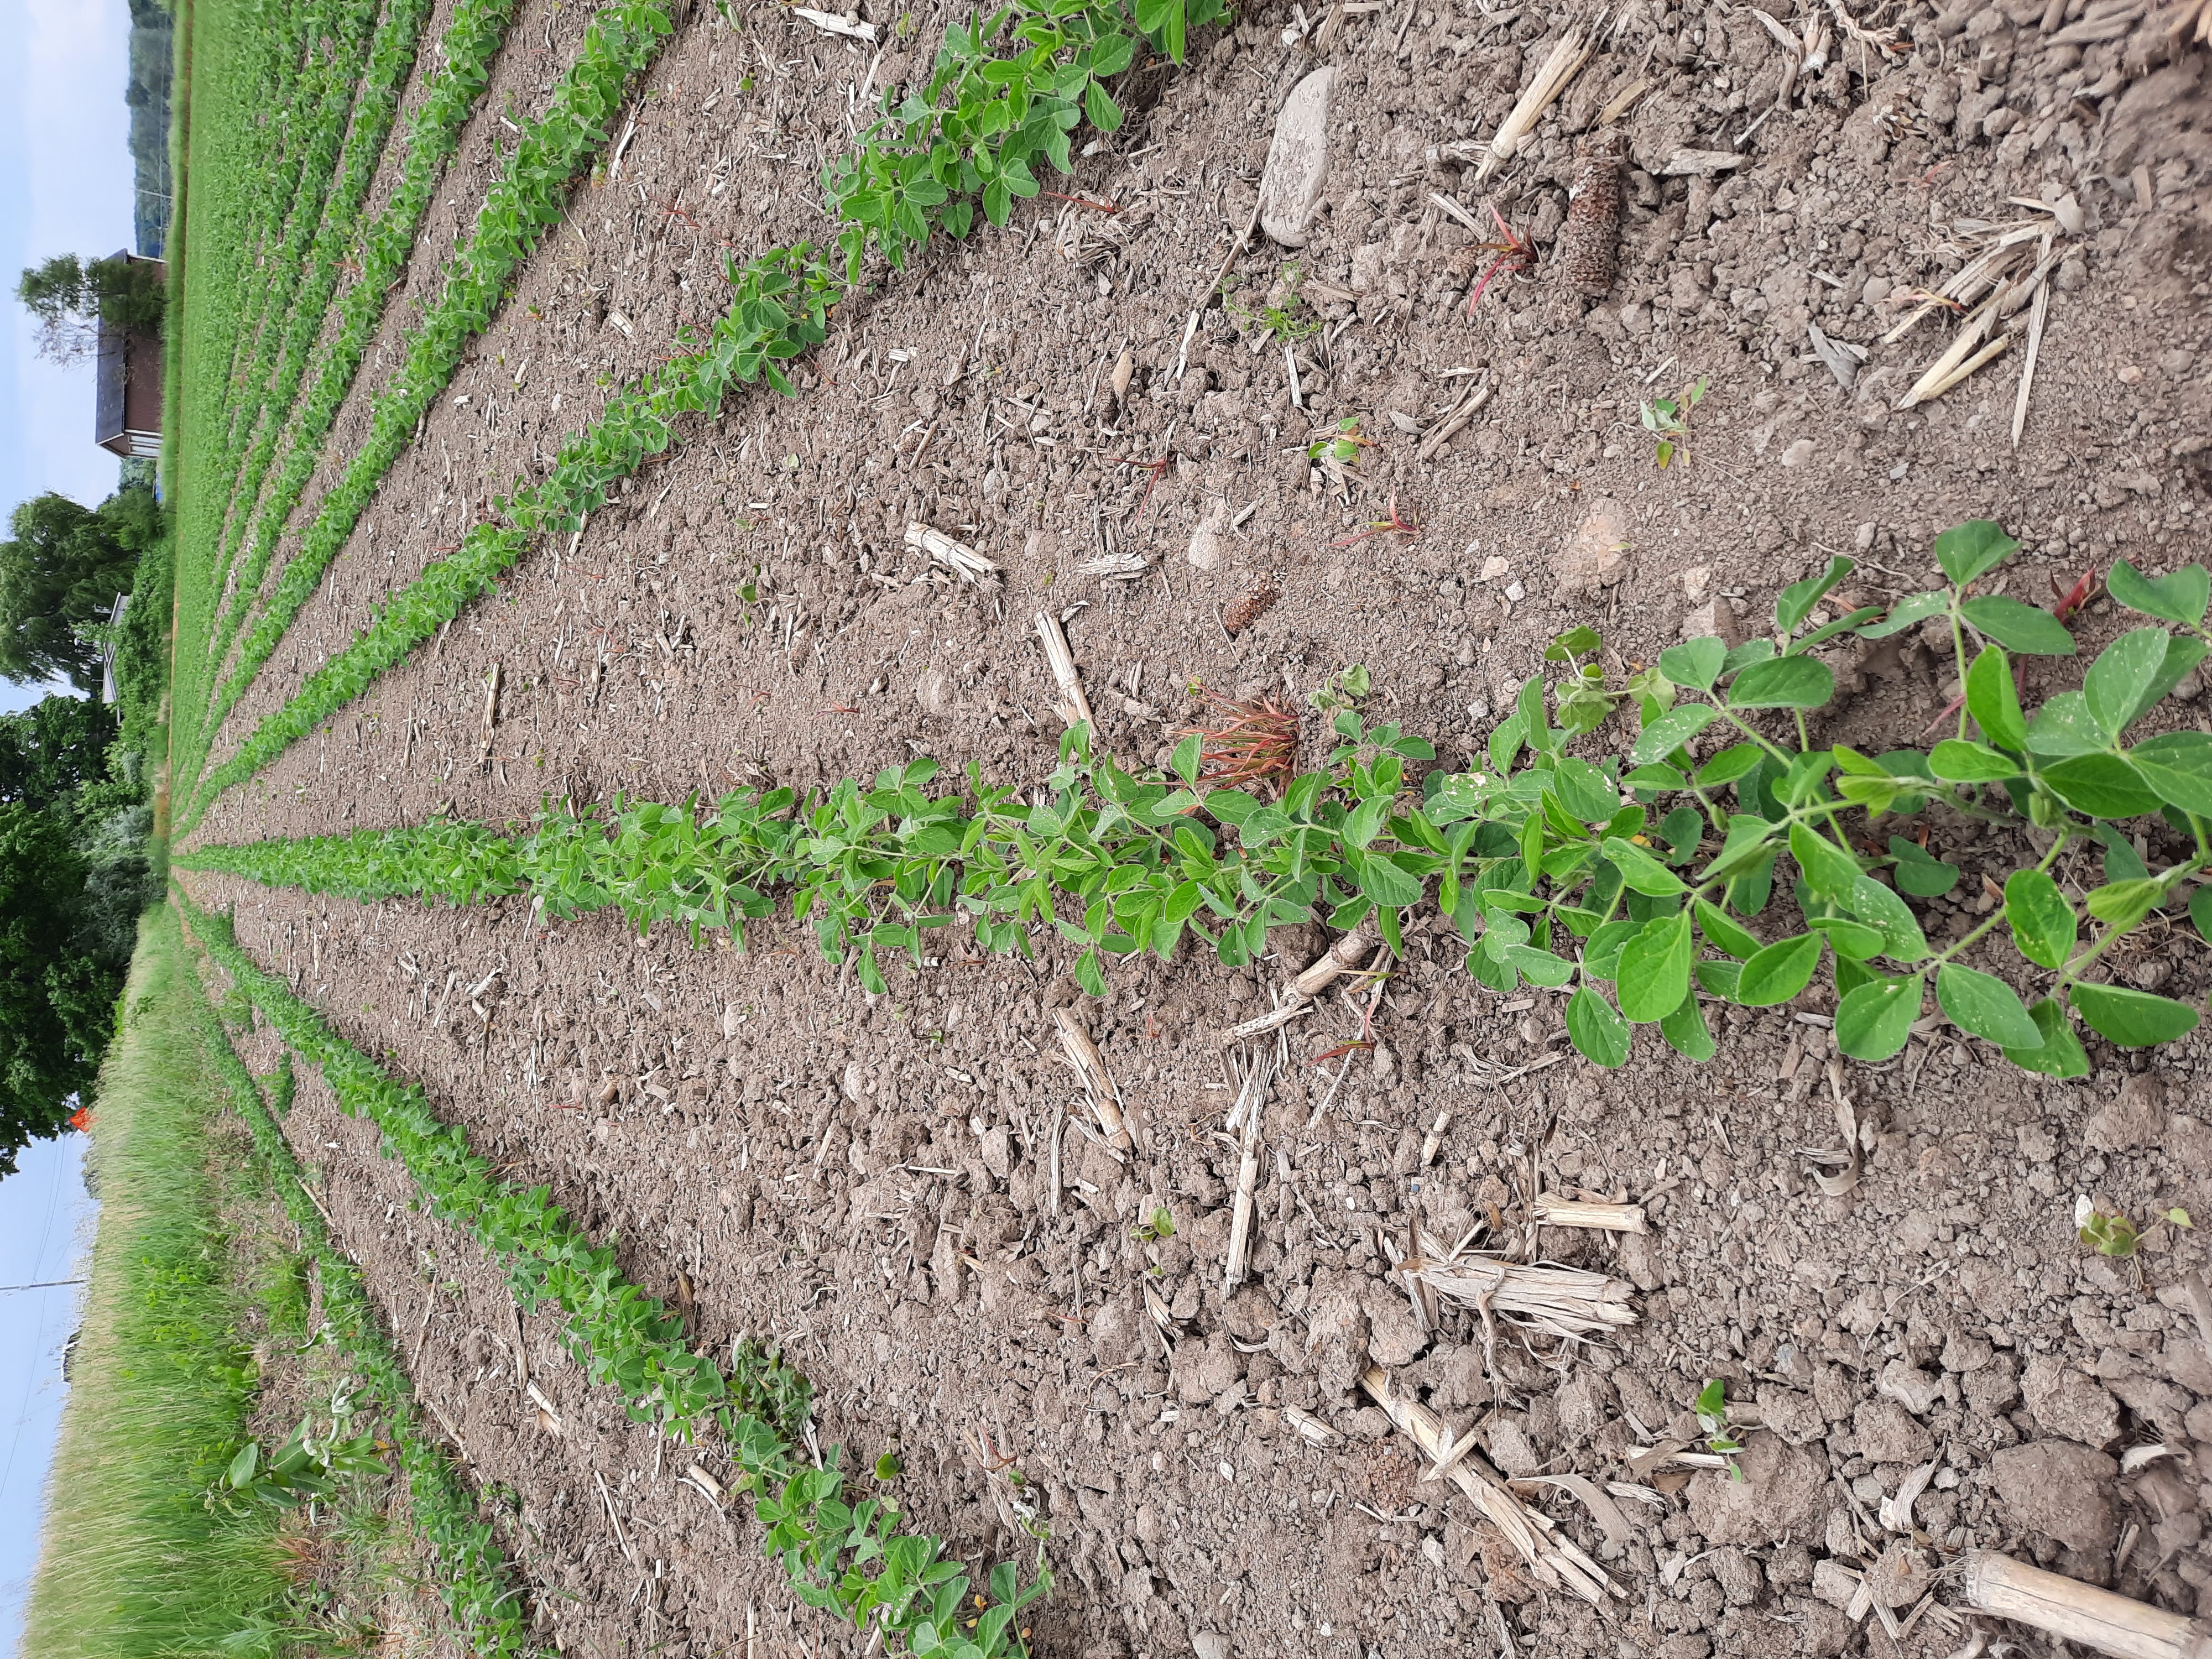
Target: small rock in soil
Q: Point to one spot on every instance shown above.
(1911, 1387)
(1887, 1435)
(2061, 1490)
(1297, 160)
(1209, 542)
(2069, 1405)
(1901, 1576)
(2137, 1118)
(1793, 1414)
(1596, 555)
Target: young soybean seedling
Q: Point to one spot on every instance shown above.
(1668, 420)
(1712, 1417)
(1160, 1226)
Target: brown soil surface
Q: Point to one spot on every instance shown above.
(868, 1177)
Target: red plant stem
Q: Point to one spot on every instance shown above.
(1082, 201)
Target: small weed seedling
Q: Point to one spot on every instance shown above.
(1343, 689)
(1283, 321)
(1254, 742)
(1160, 1226)
(1343, 446)
(1668, 420)
(1512, 251)
(1392, 523)
(2114, 1233)
(1713, 1418)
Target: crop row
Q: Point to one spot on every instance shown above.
(275, 169)
(522, 203)
(472, 38)
(779, 311)
(474, 1578)
(325, 98)
(1072, 45)
(348, 175)
(1554, 869)
(851, 1559)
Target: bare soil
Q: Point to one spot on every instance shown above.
(869, 1178)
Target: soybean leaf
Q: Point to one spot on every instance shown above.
(1586, 792)
(1779, 971)
(1685, 1030)
(1874, 1021)
(1871, 902)
(2058, 1051)
(2064, 726)
(1972, 549)
(1641, 872)
(1187, 759)
(1783, 682)
(1993, 702)
(1385, 883)
(1828, 869)
(2130, 1019)
(1955, 760)
(1851, 941)
(2178, 765)
(2200, 912)
(1722, 932)
(2179, 596)
(1671, 731)
(2018, 626)
(2122, 904)
(2102, 785)
(1986, 1006)
(1919, 873)
(1843, 624)
(2043, 923)
(2115, 686)
(1917, 607)
(1599, 1034)
(1655, 777)
(1799, 597)
(1541, 967)
(1739, 761)
(1654, 976)
(1695, 663)
(1721, 978)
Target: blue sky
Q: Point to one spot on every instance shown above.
(65, 187)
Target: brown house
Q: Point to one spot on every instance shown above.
(127, 414)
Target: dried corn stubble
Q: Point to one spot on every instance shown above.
(1554, 1561)
(1564, 1301)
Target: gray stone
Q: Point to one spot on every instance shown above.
(2069, 1405)
(2137, 1118)
(1777, 1498)
(1793, 1414)
(1209, 1644)
(1887, 1435)
(1297, 160)
(1740, 1579)
(1209, 541)
(1834, 1582)
(1964, 1352)
(1512, 1450)
(2060, 1489)
(1393, 1337)
(1911, 1387)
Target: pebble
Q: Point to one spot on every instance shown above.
(1297, 160)
(1798, 453)
(1596, 555)
(1209, 540)
(1493, 567)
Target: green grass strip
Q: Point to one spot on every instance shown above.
(472, 40)
(133, 1565)
(848, 1558)
(478, 1585)
(781, 308)
(521, 205)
